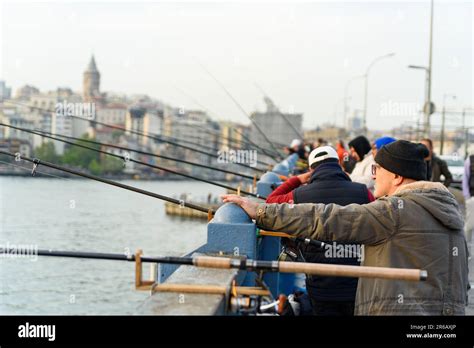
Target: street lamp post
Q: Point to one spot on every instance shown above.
(427, 106)
(366, 76)
(428, 110)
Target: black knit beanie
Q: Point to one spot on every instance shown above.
(361, 145)
(404, 158)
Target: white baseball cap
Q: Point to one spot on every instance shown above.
(296, 142)
(320, 154)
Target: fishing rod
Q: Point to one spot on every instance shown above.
(246, 141)
(298, 134)
(218, 141)
(306, 241)
(124, 158)
(154, 137)
(37, 171)
(261, 148)
(208, 131)
(147, 154)
(245, 264)
(243, 110)
(209, 148)
(36, 162)
(175, 141)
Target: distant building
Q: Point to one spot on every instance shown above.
(49, 111)
(112, 113)
(41, 120)
(16, 146)
(144, 118)
(61, 125)
(195, 129)
(91, 82)
(272, 122)
(331, 134)
(49, 100)
(25, 92)
(354, 123)
(10, 116)
(5, 92)
(232, 135)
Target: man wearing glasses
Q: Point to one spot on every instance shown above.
(412, 224)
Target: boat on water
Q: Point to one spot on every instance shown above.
(212, 204)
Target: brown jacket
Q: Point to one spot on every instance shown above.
(420, 226)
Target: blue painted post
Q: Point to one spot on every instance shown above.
(269, 248)
(231, 231)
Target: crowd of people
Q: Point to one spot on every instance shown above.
(386, 197)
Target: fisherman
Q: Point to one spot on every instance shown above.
(346, 161)
(326, 183)
(341, 151)
(319, 142)
(381, 142)
(468, 192)
(297, 146)
(436, 166)
(361, 150)
(412, 224)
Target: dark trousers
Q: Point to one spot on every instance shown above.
(330, 309)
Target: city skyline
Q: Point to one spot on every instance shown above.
(238, 61)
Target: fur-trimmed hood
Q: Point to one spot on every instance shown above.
(435, 198)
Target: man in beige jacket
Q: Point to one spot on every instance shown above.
(412, 224)
(362, 151)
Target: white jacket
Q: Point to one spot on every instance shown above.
(362, 172)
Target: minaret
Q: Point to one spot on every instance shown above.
(91, 82)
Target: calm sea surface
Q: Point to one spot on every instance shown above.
(71, 214)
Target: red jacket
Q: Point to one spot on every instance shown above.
(284, 192)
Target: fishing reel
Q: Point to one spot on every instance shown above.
(290, 251)
(256, 300)
(257, 305)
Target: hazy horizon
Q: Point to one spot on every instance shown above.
(301, 54)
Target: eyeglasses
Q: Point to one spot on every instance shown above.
(374, 168)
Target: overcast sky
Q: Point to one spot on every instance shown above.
(301, 54)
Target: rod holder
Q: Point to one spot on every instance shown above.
(141, 284)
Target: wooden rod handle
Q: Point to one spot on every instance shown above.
(212, 262)
(208, 289)
(274, 234)
(353, 271)
(190, 288)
